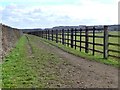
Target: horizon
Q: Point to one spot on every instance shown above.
(60, 26)
(52, 13)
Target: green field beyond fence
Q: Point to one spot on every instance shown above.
(92, 40)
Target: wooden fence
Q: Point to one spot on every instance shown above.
(117, 45)
(74, 38)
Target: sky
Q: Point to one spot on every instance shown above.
(50, 13)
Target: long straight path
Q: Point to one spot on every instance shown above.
(79, 72)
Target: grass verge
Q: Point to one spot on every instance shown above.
(70, 50)
(25, 69)
(15, 70)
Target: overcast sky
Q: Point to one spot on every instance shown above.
(50, 13)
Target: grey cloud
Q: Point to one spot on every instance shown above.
(14, 16)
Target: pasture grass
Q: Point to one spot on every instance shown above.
(98, 56)
(88, 56)
(99, 41)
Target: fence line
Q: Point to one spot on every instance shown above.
(71, 38)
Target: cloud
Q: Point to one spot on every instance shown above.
(87, 12)
(30, 18)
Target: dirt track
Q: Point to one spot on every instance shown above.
(80, 72)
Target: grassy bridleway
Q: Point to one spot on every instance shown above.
(34, 63)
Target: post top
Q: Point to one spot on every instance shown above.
(105, 26)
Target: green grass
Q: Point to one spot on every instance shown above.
(99, 41)
(97, 58)
(15, 69)
(20, 69)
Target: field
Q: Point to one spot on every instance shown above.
(98, 41)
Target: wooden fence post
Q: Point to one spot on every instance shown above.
(39, 34)
(86, 40)
(63, 36)
(75, 37)
(42, 33)
(36, 33)
(52, 35)
(33, 33)
(94, 40)
(56, 36)
(68, 37)
(72, 38)
(50, 32)
(80, 38)
(48, 35)
(60, 36)
(105, 42)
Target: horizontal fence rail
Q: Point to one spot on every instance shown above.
(83, 39)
